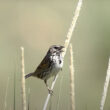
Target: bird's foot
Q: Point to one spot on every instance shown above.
(50, 91)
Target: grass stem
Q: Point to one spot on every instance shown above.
(23, 79)
(72, 86)
(5, 104)
(106, 84)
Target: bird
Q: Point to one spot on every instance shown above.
(49, 67)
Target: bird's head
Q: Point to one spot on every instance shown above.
(58, 49)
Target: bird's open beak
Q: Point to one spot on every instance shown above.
(61, 49)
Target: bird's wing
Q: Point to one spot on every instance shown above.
(43, 67)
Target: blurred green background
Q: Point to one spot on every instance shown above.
(37, 24)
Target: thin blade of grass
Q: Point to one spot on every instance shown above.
(23, 80)
(48, 96)
(106, 84)
(29, 99)
(6, 93)
(72, 86)
(14, 97)
(59, 96)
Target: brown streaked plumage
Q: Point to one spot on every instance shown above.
(50, 65)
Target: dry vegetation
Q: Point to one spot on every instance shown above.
(72, 85)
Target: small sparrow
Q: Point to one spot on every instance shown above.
(50, 65)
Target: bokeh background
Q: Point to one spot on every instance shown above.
(37, 24)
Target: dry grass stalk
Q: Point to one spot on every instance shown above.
(5, 103)
(67, 41)
(72, 79)
(58, 102)
(23, 79)
(106, 84)
(72, 27)
(28, 99)
(14, 94)
(48, 96)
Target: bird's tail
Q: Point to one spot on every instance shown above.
(28, 75)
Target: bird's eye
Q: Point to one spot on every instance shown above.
(56, 47)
